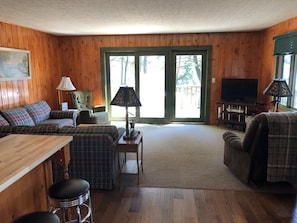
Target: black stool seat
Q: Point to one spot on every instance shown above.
(69, 194)
(68, 189)
(38, 217)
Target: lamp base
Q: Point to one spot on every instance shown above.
(132, 135)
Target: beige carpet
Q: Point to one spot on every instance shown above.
(185, 156)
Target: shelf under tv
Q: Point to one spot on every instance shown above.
(233, 113)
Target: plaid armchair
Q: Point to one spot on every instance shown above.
(247, 157)
(268, 146)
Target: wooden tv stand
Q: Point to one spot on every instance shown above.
(232, 114)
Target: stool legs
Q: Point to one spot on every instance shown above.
(78, 214)
(64, 216)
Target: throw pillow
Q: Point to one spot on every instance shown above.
(18, 116)
(39, 111)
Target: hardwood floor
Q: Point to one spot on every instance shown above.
(167, 205)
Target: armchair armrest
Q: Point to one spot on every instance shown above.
(232, 140)
(99, 108)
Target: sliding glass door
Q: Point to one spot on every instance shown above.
(152, 86)
(171, 84)
(188, 86)
(121, 73)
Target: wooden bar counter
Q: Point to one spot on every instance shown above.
(26, 171)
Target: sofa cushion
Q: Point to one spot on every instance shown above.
(38, 129)
(18, 116)
(3, 121)
(39, 111)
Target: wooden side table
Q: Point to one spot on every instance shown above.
(131, 146)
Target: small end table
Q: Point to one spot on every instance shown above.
(131, 146)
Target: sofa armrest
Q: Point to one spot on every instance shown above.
(57, 114)
(121, 131)
(232, 140)
(5, 130)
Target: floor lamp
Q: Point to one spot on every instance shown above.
(277, 88)
(126, 97)
(65, 85)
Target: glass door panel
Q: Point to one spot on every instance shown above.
(152, 86)
(122, 73)
(188, 86)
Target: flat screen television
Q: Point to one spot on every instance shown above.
(239, 90)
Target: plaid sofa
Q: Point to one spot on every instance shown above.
(93, 149)
(35, 115)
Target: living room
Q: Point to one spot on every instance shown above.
(246, 54)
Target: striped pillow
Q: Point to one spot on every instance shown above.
(18, 116)
(3, 121)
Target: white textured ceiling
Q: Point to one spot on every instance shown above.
(104, 17)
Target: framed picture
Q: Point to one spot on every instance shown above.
(64, 106)
(14, 64)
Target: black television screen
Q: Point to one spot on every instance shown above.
(239, 90)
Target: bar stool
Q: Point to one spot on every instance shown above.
(70, 194)
(38, 217)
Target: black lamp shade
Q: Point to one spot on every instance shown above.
(126, 97)
(278, 88)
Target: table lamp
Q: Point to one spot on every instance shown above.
(277, 88)
(126, 97)
(65, 85)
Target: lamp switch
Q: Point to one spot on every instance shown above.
(213, 80)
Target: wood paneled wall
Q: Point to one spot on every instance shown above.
(242, 55)
(233, 55)
(45, 67)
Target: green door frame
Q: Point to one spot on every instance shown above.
(169, 53)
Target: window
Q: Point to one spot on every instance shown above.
(285, 51)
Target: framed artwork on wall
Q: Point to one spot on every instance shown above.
(14, 64)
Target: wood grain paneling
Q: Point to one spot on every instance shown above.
(45, 67)
(242, 55)
(239, 55)
(233, 55)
